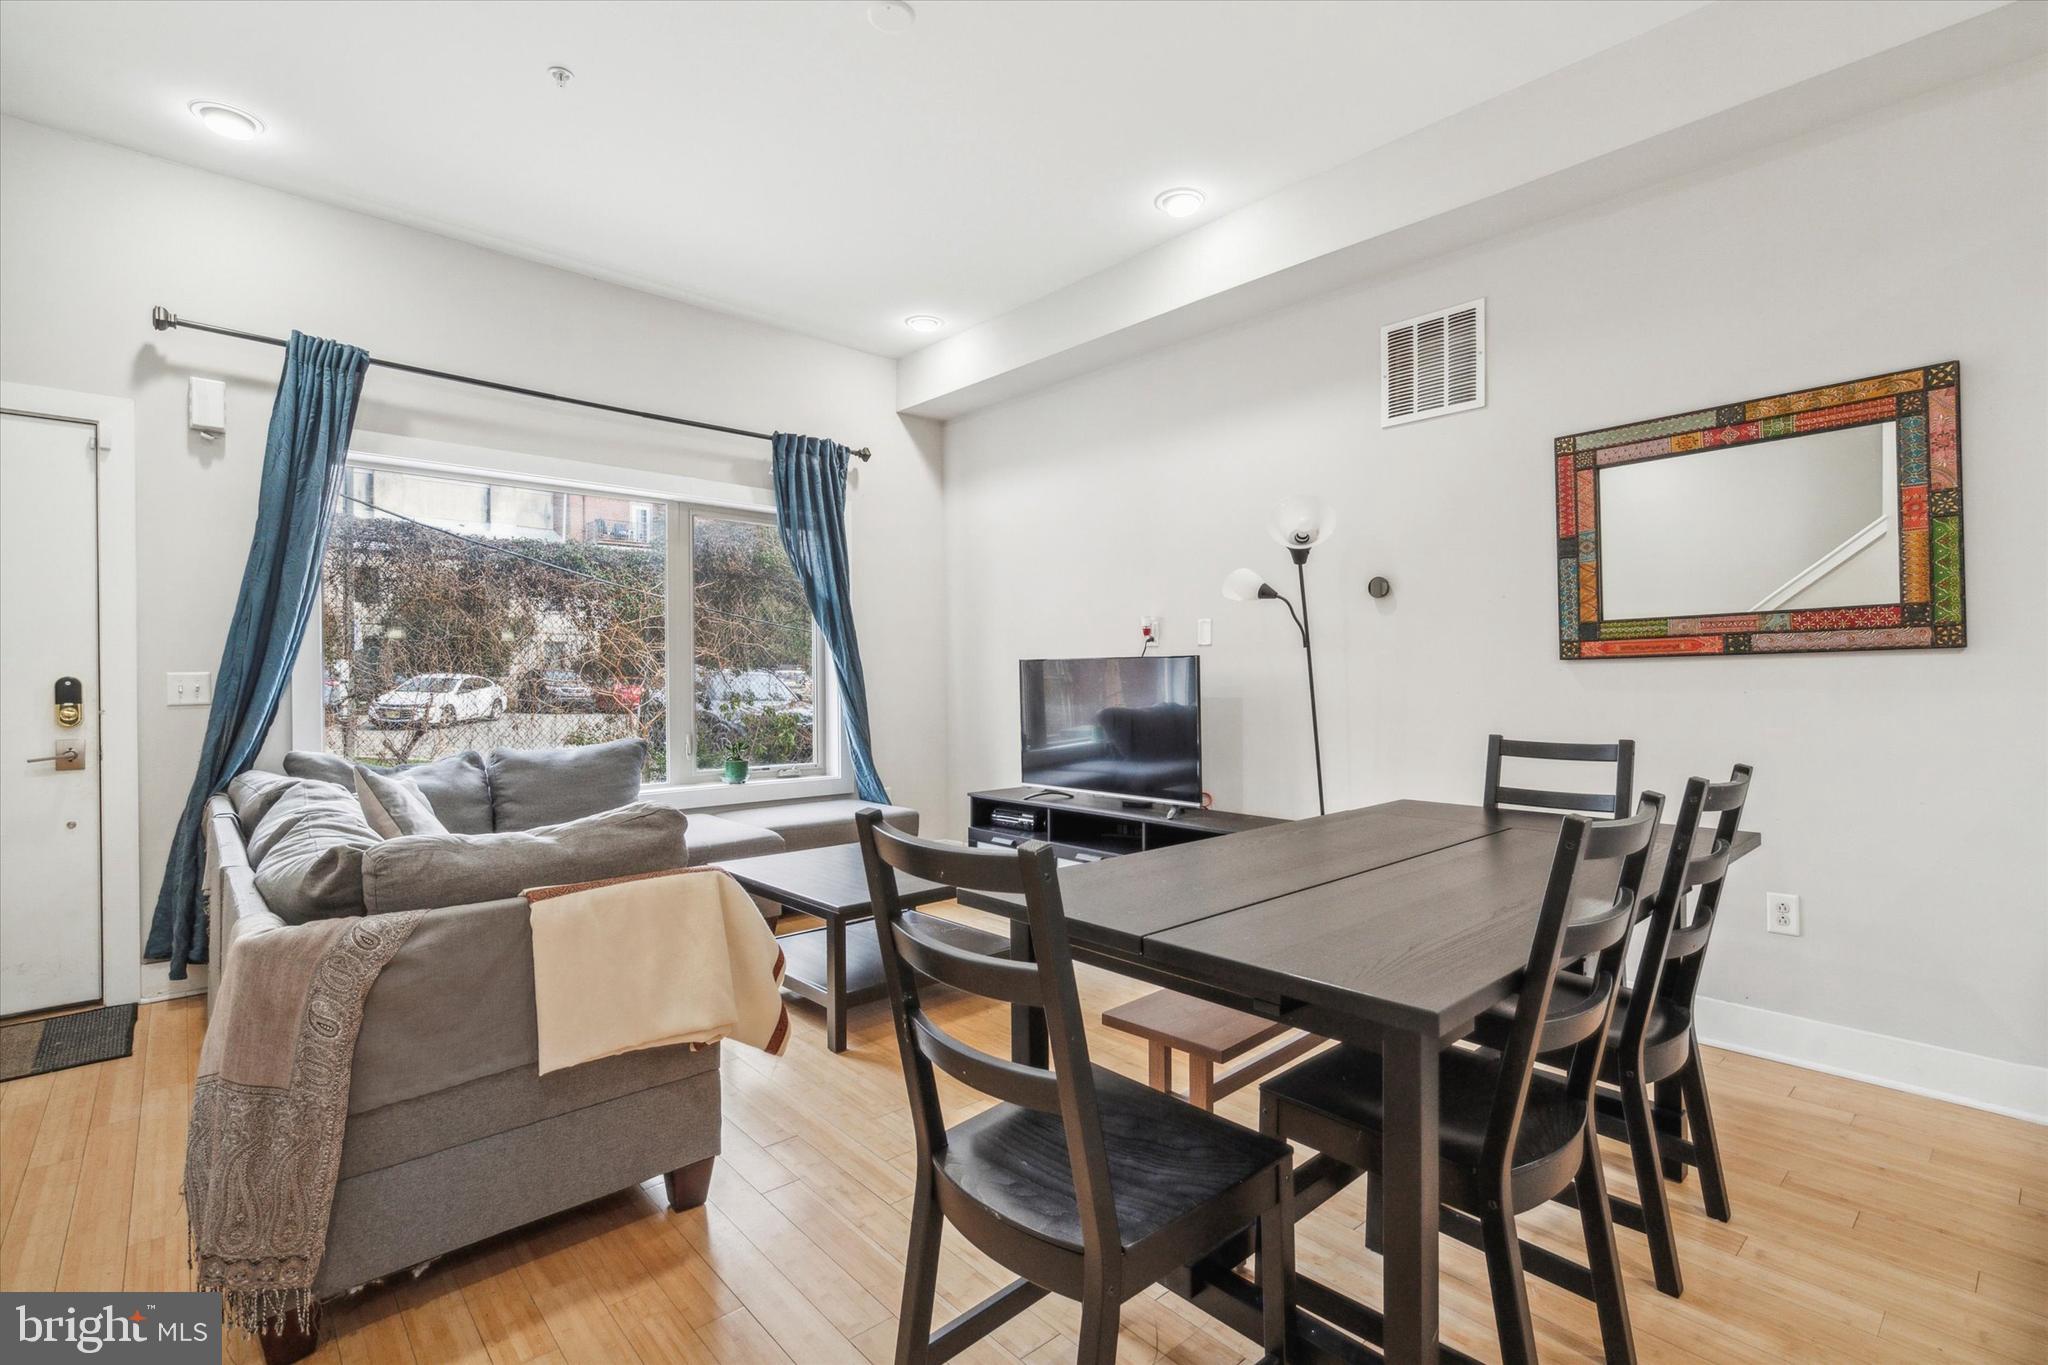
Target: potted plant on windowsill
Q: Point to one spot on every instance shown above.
(737, 753)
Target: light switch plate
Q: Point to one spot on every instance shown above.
(188, 689)
(1203, 634)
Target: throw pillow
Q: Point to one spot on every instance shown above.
(535, 787)
(393, 805)
(308, 853)
(457, 787)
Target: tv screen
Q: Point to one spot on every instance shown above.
(1127, 727)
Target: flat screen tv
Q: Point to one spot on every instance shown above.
(1127, 727)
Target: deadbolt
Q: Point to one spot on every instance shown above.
(70, 702)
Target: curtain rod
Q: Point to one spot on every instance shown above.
(163, 319)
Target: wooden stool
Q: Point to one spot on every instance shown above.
(1208, 1034)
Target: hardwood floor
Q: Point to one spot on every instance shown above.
(1870, 1226)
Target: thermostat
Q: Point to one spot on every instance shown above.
(206, 406)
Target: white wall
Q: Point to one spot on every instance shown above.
(92, 236)
(1905, 796)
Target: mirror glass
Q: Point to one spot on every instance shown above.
(1785, 525)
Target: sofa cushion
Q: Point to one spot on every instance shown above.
(714, 839)
(816, 824)
(308, 852)
(394, 804)
(458, 787)
(422, 871)
(254, 793)
(535, 787)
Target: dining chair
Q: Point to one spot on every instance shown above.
(1078, 1181)
(1621, 753)
(1511, 1136)
(1653, 1059)
(1653, 1081)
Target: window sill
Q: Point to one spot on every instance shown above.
(754, 792)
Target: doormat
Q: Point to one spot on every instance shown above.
(66, 1040)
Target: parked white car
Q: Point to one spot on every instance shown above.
(438, 699)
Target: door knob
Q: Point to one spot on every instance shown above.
(70, 758)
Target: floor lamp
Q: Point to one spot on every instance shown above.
(1300, 524)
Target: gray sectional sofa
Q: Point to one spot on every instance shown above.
(452, 1136)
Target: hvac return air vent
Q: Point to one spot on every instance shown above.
(1433, 365)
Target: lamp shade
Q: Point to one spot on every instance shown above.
(1243, 585)
(1299, 523)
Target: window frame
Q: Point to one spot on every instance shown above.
(682, 542)
(685, 784)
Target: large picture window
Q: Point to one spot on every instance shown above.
(461, 613)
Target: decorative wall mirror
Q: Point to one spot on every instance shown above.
(1827, 519)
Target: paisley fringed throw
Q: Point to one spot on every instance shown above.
(269, 1107)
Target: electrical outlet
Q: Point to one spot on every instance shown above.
(1148, 628)
(1781, 913)
(188, 689)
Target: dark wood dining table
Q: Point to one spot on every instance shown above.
(1393, 927)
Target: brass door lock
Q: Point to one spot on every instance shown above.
(70, 701)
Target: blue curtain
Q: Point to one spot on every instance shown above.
(810, 512)
(303, 462)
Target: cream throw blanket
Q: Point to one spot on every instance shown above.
(269, 1106)
(650, 961)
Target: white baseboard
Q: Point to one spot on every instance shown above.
(1941, 1073)
(157, 984)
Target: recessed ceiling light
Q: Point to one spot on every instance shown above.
(1179, 203)
(891, 16)
(923, 322)
(226, 120)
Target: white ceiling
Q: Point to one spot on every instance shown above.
(787, 161)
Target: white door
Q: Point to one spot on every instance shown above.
(49, 630)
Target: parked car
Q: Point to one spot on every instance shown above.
(334, 698)
(438, 699)
(746, 692)
(555, 689)
(727, 697)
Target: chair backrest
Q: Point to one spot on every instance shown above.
(1570, 928)
(1681, 915)
(1621, 753)
(1067, 1088)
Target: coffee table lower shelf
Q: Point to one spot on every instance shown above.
(807, 958)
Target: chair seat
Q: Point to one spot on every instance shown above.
(1166, 1159)
(1669, 1025)
(1345, 1084)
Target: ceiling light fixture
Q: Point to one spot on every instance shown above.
(891, 16)
(923, 322)
(226, 120)
(1179, 203)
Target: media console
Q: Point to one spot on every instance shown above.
(1090, 828)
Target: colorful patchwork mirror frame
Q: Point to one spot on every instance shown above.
(1927, 405)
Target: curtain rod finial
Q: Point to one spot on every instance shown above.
(163, 319)
(863, 454)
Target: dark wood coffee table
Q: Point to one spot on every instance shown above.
(820, 965)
